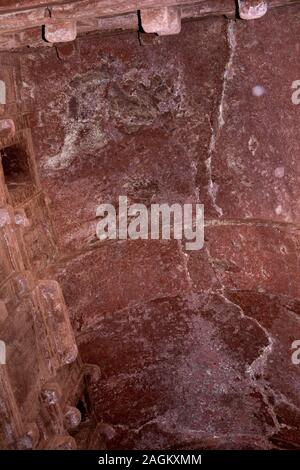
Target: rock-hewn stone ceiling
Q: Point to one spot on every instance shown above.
(141, 344)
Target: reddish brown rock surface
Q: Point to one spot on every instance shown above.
(194, 347)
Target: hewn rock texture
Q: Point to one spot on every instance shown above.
(43, 374)
(194, 347)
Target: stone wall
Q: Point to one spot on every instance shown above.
(42, 379)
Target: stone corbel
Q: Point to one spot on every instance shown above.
(62, 31)
(252, 9)
(162, 21)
